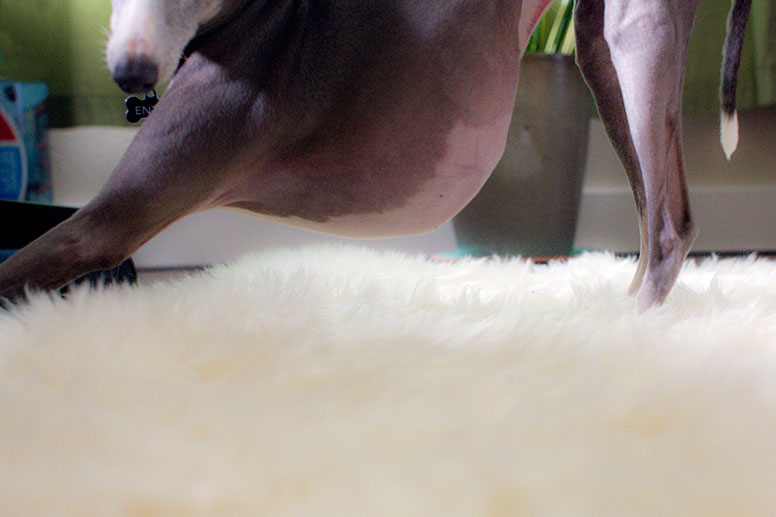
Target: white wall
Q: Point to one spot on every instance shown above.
(734, 203)
(83, 157)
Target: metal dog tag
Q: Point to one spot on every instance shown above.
(138, 109)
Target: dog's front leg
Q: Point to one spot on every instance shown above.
(181, 160)
(647, 44)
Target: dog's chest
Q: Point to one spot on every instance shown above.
(410, 135)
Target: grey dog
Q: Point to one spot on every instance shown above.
(369, 118)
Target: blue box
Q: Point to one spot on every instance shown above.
(25, 169)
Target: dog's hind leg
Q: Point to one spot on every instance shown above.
(647, 43)
(596, 66)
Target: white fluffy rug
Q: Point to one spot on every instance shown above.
(342, 381)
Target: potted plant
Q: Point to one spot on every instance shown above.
(530, 203)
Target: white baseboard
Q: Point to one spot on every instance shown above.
(730, 218)
(223, 235)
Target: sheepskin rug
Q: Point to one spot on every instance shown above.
(349, 382)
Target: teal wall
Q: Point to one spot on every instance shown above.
(62, 42)
(758, 61)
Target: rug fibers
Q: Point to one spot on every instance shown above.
(343, 381)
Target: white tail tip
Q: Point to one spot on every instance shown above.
(729, 133)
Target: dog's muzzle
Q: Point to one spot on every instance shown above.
(136, 74)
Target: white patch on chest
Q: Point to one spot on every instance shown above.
(473, 153)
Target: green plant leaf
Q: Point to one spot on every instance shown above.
(554, 34)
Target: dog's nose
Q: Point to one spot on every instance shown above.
(136, 74)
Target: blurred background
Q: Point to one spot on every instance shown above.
(62, 43)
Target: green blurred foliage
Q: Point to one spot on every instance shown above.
(63, 43)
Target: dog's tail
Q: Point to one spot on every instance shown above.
(736, 24)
